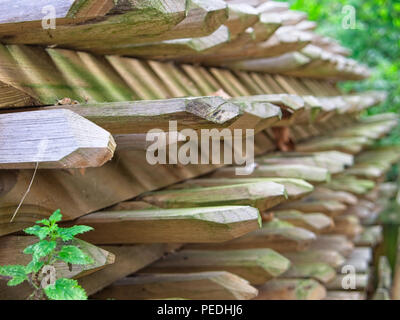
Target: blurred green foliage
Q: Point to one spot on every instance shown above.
(375, 41)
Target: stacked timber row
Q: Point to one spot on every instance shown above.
(77, 102)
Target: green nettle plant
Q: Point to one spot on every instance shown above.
(54, 246)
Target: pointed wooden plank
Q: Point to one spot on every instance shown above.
(345, 295)
(289, 171)
(253, 3)
(330, 208)
(255, 265)
(295, 188)
(339, 243)
(208, 224)
(321, 272)
(315, 222)
(312, 159)
(261, 195)
(176, 48)
(351, 184)
(19, 11)
(360, 279)
(11, 248)
(276, 235)
(291, 289)
(291, 105)
(296, 171)
(255, 41)
(381, 156)
(350, 145)
(158, 20)
(241, 16)
(374, 130)
(348, 225)
(273, 6)
(267, 113)
(279, 64)
(53, 139)
(284, 40)
(330, 257)
(323, 193)
(241, 45)
(202, 18)
(142, 116)
(216, 285)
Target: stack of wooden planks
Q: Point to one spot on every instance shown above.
(76, 106)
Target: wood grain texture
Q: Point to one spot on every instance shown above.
(20, 11)
(276, 235)
(208, 224)
(321, 272)
(241, 16)
(315, 222)
(254, 265)
(291, 289)
(129, 259)
(331, 208)
(348, 225)
(261, 195)
(339, 243)
(126, 23)
(176, 48)
(142, 116)
(322, 193)
(53, 139)
(321, 160)
(330, 257)
(295, 188)
(218, 285)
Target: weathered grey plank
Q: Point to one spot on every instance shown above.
(53, 139)
(208, 224)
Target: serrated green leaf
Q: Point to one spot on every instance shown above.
(38, 231)
(40, 249)
(44, 221)
(74, 255)
(65, 289)
(67, 234)
(16, 272)
(34, 266)
(56, 216)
